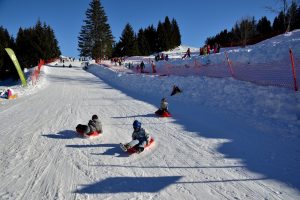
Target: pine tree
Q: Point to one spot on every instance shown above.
(297, 21)
(143, 44)
(151, 37)
(7, 68)
(128, 42)
(292, 16)
(175, 34)
(117, 50)
(52, 49)
(85, 42)
(161, 37)
(44, 37)
(168, 30)
(264, 28)
(279, 23)
(236, 35)
(95, 38)
(168, 34)
(247, 30)
(33, 44)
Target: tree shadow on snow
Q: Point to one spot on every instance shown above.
(66, 134)
(129, 184)
(274, 156)
(171, 167)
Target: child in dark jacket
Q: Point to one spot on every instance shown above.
(95, 124)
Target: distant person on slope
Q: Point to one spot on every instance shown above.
(175, 90)
(153, 67)
(142, 67)
(187, 54)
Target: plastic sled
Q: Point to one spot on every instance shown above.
(163, 113)
(89, 135)
(14, 96)
(133, 149)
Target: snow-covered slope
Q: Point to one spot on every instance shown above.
(227, 139)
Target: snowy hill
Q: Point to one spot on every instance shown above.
(227, 139)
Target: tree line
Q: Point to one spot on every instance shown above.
(95, 39)
(149, 40)
(248, 31)
(30, 45)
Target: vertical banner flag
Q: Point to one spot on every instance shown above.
(13, 57)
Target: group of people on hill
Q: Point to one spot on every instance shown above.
(207, 49)
(161, 56)
(117, 60)
(141, 67)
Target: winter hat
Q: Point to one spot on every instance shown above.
(94, 117)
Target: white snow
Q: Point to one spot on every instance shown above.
(227, 139)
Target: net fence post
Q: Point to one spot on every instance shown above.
(293, 70)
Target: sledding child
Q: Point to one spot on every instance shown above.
(164, 105)
(83, 129)
(140, 138)
(95, 124)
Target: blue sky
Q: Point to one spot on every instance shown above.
(197, 19)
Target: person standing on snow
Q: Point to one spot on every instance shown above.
(187, 54)
(142, 67)
(175, 90)
(153, 67)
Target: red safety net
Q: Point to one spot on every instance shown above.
(282, 73)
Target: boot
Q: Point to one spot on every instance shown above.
(139, 149)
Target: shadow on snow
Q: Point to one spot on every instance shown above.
(113, 149)
(129, 184)
(66, 134)
(274, 156)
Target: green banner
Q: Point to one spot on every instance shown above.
(13, 57)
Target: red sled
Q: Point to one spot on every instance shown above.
(92, 134)
(133, 149)
(163, 113)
